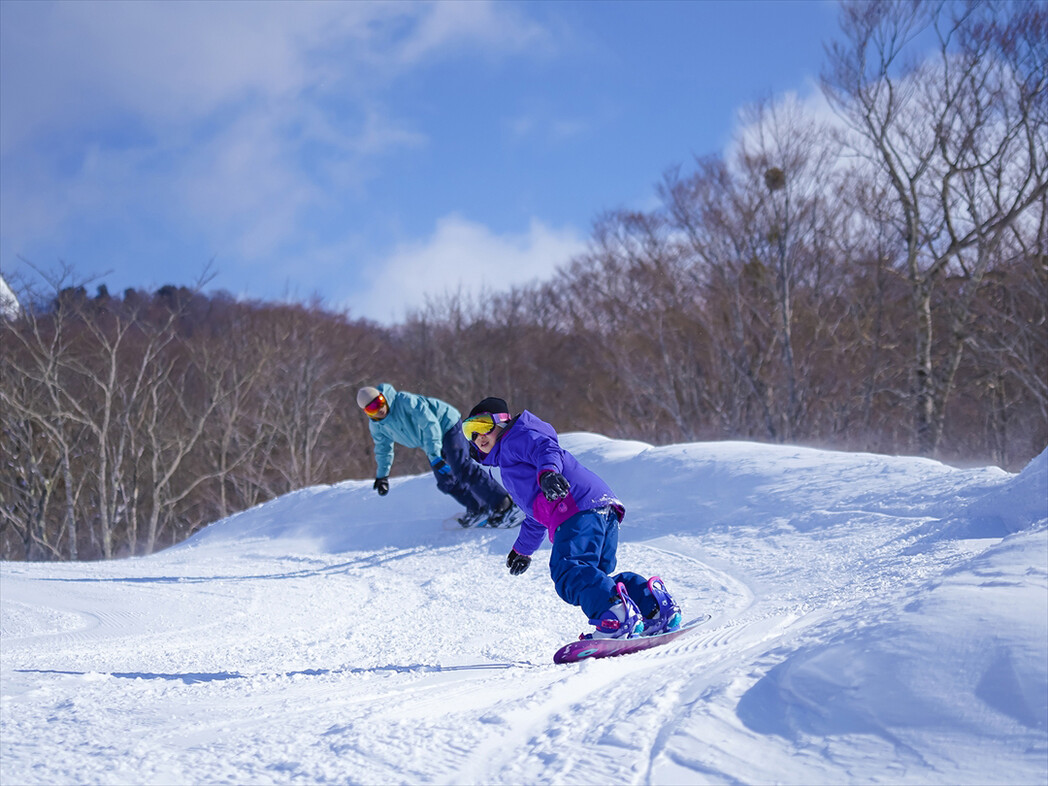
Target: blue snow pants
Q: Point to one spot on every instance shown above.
(582, 558)
(467, 483)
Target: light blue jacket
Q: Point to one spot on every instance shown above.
(413, 421)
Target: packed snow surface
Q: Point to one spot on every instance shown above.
(874, 620)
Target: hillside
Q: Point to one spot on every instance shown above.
(874, 619)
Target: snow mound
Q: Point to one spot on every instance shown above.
(874, 619)
(1017, 504)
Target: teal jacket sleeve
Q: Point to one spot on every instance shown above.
(383, 451)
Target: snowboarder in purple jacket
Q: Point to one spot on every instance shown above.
(579, 513)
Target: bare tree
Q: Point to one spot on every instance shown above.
(960, 142)
(41, 434)
(786, 168)
(234, 439)
(174, 426)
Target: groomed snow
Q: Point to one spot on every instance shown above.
(875, 620)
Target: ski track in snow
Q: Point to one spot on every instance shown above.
(874, 620)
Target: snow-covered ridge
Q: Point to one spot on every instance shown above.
(9, 305)
(874, 619)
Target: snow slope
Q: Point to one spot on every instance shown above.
(875, 620)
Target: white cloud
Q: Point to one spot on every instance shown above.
(158, 65)
(463, 257)
(227, 122)
(171, 65)
(754, 121)
(443, 27)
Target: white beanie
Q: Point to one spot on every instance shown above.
(366, 395)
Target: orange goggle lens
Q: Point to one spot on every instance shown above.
(375, 406)
(483, 423)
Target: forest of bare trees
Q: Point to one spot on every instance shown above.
(871, 276)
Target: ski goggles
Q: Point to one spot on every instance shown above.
(483, 423)
(375, 406)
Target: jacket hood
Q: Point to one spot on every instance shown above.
(388, 391)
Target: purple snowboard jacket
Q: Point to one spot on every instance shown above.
(527, 448)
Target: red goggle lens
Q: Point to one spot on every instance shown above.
(375, 406)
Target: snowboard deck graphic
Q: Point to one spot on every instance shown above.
(591, 649)
(509, 521)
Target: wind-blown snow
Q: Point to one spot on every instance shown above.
(875, 620)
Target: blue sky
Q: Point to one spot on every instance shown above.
(370, 153)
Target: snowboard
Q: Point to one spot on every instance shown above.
(591, 649)
(509, 521)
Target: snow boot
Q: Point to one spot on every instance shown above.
(667, 615)
(621, 621)
(495, 515)
(471, 517)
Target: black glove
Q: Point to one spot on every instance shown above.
(440, 466)
(381, 486)
(554, 485)
(517, 563)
